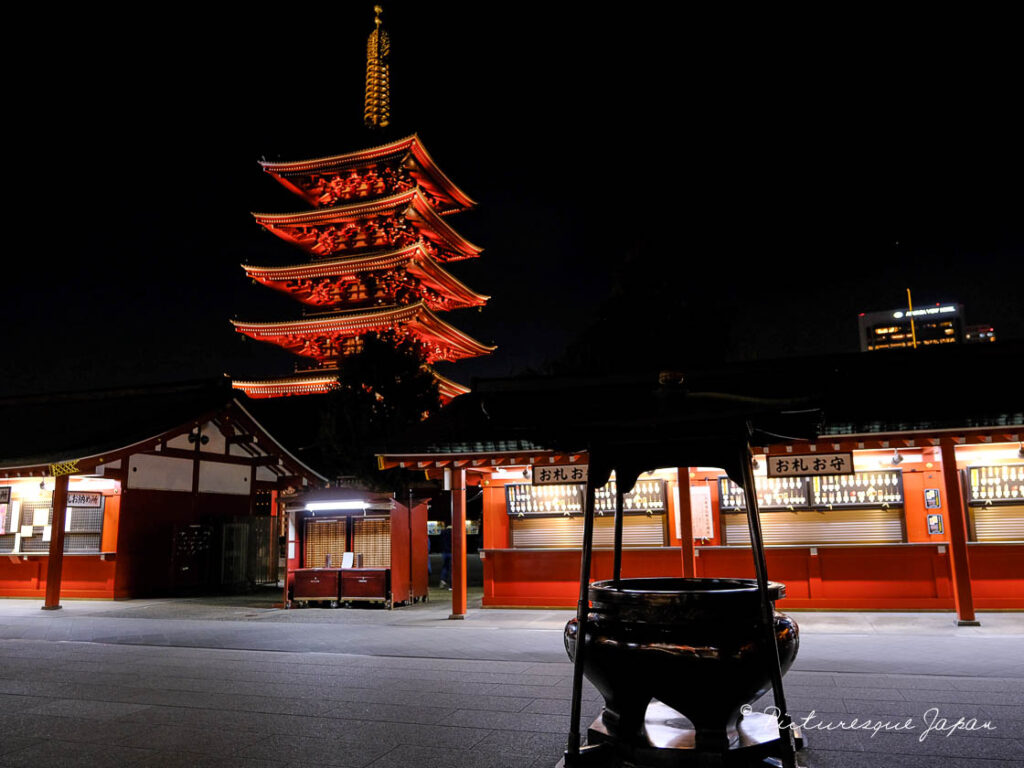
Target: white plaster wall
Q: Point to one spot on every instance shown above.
(159, 473)
(233, 479)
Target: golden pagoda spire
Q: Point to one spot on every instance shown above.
(377, 108)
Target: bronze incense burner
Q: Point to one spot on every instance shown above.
(692, 644)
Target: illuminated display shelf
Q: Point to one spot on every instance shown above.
(995, 485)
(861, 490)
(646, 497)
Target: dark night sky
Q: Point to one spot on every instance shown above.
(733, 160)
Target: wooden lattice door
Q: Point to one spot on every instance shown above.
(371, 537)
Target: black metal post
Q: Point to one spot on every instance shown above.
(767, 613)
(573, 745)
(617, 562)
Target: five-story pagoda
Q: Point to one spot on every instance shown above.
(375, 241)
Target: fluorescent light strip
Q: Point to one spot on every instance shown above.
(330, 506)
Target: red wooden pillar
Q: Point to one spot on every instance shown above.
(55, 565)
(458, 544)
(686, 523)
(963, 599)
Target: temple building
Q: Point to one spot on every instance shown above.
(375, 242)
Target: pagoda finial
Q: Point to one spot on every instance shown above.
(377, 108)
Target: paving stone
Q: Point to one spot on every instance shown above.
(432, 757)
(509, 721)
(77, 755)
(966, 697)
(388, 712)
(98, 710)
(165, 759)
(527, 742)
(315, 751)
(954, 745)
(206, 741)
(829, 759)
(13, 743)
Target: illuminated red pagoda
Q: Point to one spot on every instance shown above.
(376, 241)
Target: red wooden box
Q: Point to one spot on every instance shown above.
(316, 584)
(366, 584)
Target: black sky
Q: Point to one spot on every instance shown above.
(785, 173)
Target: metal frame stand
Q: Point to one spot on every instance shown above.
(761, 750)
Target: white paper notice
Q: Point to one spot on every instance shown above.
(47, 532)
(700, 510)
(40, 516)
(26, 531)
(347, 559)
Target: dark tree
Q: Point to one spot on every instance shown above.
(384, 389)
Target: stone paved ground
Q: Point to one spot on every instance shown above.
(233, 682)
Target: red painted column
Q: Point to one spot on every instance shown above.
(960, 565)
(458, 544)
(55, 566)
(686, 523)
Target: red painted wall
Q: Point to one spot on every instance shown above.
(84, 576)
(997, 575)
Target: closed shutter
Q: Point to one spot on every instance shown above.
(838, 526)
(998, 523)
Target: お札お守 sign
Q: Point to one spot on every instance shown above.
(560, 475)
(809, 464)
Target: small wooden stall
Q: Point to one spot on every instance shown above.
(347, 546)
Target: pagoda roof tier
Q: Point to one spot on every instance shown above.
(322, 381)
(320, 283)
(448, 389)
(307, 178)
(323, 338)
(316, 382)
(390, 222)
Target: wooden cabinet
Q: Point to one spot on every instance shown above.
(316, 585)
(366, 584)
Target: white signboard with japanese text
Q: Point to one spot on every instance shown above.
(807, 464)
(83, 499)
(560, 475)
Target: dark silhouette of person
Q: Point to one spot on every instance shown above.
(446, 557)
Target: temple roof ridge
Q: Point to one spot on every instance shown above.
(413, 198)
(315, 163)
(450, 384)
(323, 380)
(411, 143)
(384, 316)
(415, 252)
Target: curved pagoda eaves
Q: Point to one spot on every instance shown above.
(400, 273)
(448, 389)
(328, 338)
(379, 171)
(323, 380)
(317, 382)
(385, 224)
